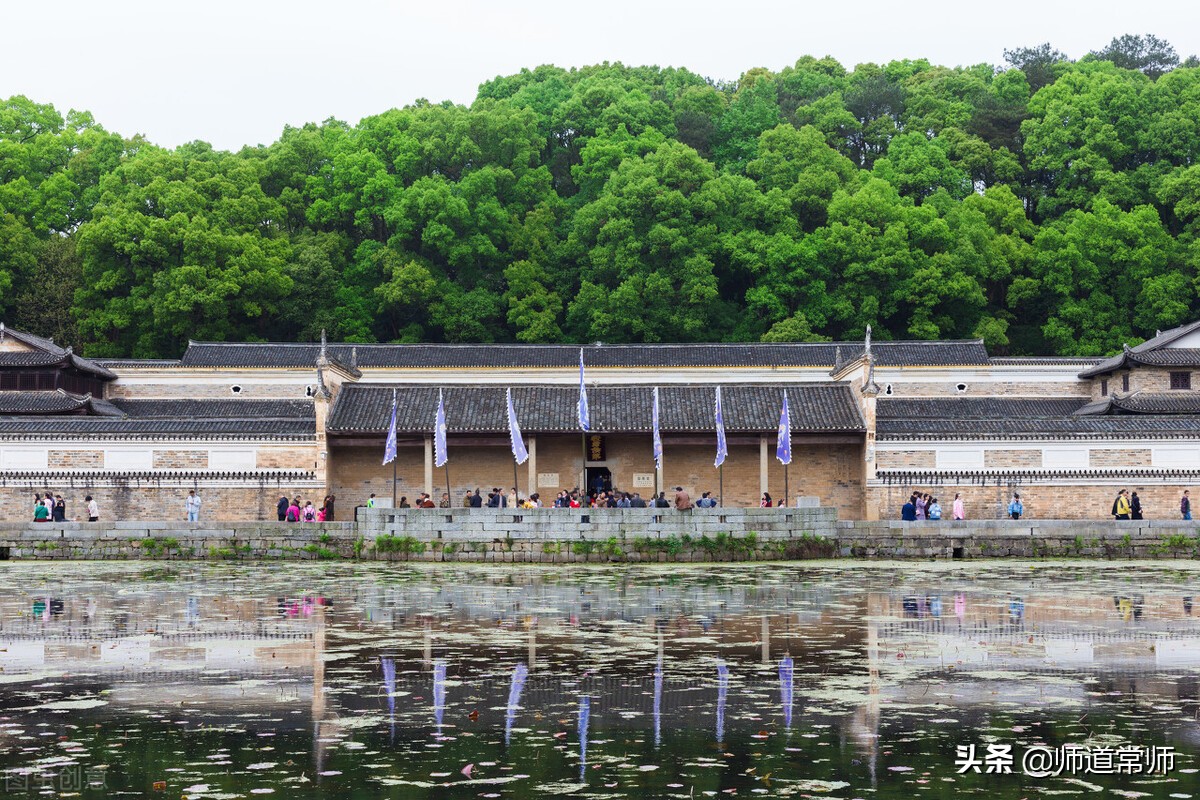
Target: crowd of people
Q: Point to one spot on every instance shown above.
(924, 506)
(53, 508)
(298, 510)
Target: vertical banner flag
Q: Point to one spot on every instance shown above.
(514, 431)
(439, 434)
(389, 450)
(657, 434)
(584, 416)
(722, 449)
(783, 447)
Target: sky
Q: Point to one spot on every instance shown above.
(234, 73)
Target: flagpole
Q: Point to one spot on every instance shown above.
(394, 459)
(786, 496)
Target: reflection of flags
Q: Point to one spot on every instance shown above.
(389, 688)
(514, 431)
(786, 670)
(389, 450)
(657, 434)
(658, 689)
(585, 713)
(722, 449)
(439, 434)
(722, 690)
(514, 698)
(439, 691)
(584, 416)
(783, 446)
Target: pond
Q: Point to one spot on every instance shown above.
(847, 680)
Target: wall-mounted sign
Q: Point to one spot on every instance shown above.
(547, 480)
(595, 448)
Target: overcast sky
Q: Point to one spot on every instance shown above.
(234, 72)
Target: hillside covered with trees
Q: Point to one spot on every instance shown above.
(1049, 206)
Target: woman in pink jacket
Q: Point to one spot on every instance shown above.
(959, 511)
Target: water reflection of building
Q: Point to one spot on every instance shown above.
(640, 652)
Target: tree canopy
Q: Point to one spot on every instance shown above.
(1048, 206)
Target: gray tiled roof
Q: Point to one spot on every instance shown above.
(813, 407)
(217, 409)
(50, 354)
(1177, 402)
(984, 408)
(122, 428)
(52, 403)
(1146, 352)
(800, 354)
(1150, 426)
(985, 417)
(40, 402)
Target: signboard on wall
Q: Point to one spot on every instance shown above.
(595, 448)
(547, 480)
(642, 480)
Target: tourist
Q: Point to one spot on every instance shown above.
(574, 501)
(637, 501)
(41, 512)
(935, 510)
(467, 499)
(1135, 507)
(371, 501)
(920, 505)
(48, 502)
(92, 508)
(293, 512)
(445, 501)
(281, 508)
(329, 502)
(705, 501)
(513, 497)
(960, 511)
(1121, 509)
(493, 500)
(321, 514)
(192, 506)
(1016, 508)
(476, 500)
(908, 512)
(765, 500)
(310, 512)
(683, 502)
(427, 502)
(403, 502)
(60, 509)
(1185, 505)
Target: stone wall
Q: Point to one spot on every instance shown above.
(609, 535)
(1045, 500)
(154, 499)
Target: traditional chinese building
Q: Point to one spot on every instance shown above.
(244, 423)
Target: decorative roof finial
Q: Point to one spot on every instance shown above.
(867, 346)
(837, 356)
(354, 358)
(324, 354)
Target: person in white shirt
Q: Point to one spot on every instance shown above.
(92, 508)
(193, 506)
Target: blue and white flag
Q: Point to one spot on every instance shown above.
(657, 434)
(514, 431)
(585, 420)
(389, 450)
(722, 448)
(439, 434)
(783, 445)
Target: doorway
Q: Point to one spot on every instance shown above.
(599, 479)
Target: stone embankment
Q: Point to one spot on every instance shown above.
(595, 536)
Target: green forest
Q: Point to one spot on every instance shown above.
(1047, 205)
